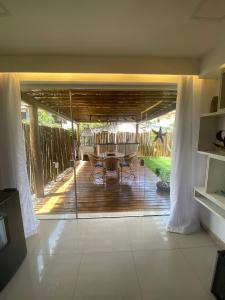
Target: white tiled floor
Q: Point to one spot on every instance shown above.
(114, 259)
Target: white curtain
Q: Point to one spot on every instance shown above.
(13, 172)
(188, 167)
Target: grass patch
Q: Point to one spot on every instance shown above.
(161, 163)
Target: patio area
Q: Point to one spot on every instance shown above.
(134, 195)
(81, 122)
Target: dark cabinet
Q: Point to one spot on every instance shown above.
(12, 240)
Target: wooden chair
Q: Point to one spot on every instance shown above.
(96, 165)
(111, 165)
(129, 163)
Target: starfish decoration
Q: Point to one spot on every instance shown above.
(159, 135)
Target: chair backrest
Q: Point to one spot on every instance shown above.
(131, 157)
(132, 154)
(111, 163)
(93, 159)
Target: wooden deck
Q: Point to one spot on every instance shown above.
(132, 195)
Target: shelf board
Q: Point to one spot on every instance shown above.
(215, 198)
(210, 206)
(218, 199)
(219, 113)
(213, 154)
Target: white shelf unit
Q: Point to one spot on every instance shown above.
(215, 198)
(213, 154)
(215, 177)
(210, 124)
(210, 205)
(211, 195)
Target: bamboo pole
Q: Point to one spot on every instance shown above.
(73, 149)
(137, 133)
(78, 140)
(36, 151)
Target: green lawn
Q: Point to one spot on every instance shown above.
(163, 164)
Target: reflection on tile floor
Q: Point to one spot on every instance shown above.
(115, 259)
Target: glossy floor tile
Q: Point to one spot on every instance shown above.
(115, 259)
(202, 261)
(108, 275)
(167, 275)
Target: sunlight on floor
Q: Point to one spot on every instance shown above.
(53, 200)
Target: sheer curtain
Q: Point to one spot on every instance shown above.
(13, 172)
(188, 167)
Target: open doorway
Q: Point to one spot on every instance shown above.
(110, 151)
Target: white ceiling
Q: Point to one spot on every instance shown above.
(112, 27)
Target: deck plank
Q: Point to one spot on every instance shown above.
(94, 196)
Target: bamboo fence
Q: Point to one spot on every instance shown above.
(55, 148)
(106, 137)
(148, 147)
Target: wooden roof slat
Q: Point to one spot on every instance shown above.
(53, 93)
(109, 104)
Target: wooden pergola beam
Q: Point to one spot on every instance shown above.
(152, 106)
(162, 111)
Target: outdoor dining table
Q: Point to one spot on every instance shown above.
(111, 155)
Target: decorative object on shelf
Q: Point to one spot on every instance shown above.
(219, 146)
(214, 104)
(220, 136)
(159, 134)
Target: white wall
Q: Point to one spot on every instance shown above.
(213, 62)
